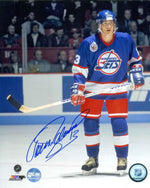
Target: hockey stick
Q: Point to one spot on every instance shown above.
(25, 109)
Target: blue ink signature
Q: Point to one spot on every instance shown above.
(55, 145)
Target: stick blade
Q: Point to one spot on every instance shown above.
(14, 102)
(18, 105)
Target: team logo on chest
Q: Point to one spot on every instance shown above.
(108, 63)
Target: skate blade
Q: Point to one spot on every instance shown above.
(91, 172)
(121, 172)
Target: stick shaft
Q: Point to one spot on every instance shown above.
(25, 109)
(109, 90)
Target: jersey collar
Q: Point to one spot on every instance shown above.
(107, 44)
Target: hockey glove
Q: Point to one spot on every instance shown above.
(136, 76)
(77, 94)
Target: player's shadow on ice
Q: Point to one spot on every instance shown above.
(74, 175)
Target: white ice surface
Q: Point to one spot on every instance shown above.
(64, 169)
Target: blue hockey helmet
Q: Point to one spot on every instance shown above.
(105, 15)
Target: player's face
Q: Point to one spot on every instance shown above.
(107, 27)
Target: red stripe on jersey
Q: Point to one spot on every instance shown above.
(80, 66)
(138, 58)
(109, 93)
(79, 73)
(136, 65)
(108, 82)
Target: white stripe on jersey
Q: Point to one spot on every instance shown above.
(96, 87)
(78, 69)
(133, 59)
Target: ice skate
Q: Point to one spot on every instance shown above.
(90, 166)
(122, 165)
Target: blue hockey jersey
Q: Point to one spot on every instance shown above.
(100, 65)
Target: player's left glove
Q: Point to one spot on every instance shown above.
(136, 76)
(77, 94)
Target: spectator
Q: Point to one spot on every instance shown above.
(146, 27)
(140, 15)
(29, 20)
(71, 23)
(54, 8)
(16, 23)
(11, 39)
(114, 5)
(36, 38)
(95, 6)
(52, 22)
(33, 6)
(75, 39)
(38, 64)
(14, 65)
(139, 37)
(49, 31)
(119, 7)
(93, 18)
(92, 30)
(58, 39)
(125, 22)
(65, 65)
(50, 35)
(15, 62)
(30, 4)
(71, 55)
(147, 62)
(77, 8)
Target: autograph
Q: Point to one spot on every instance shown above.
(54, 145)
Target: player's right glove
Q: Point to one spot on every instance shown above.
(136, 76)
(77, 94)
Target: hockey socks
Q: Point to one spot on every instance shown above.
(121, 139)
(92, 136)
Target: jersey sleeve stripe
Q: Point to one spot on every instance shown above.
(80, 66)
(133, 59)
(79, 73)
(80, 70)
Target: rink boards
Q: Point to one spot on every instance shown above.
(38, 89)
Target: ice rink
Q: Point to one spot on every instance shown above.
(61, 168)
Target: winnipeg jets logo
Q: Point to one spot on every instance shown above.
(108, 63)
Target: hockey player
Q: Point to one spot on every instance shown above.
(101, 62)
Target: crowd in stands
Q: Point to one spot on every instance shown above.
(65, 24)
